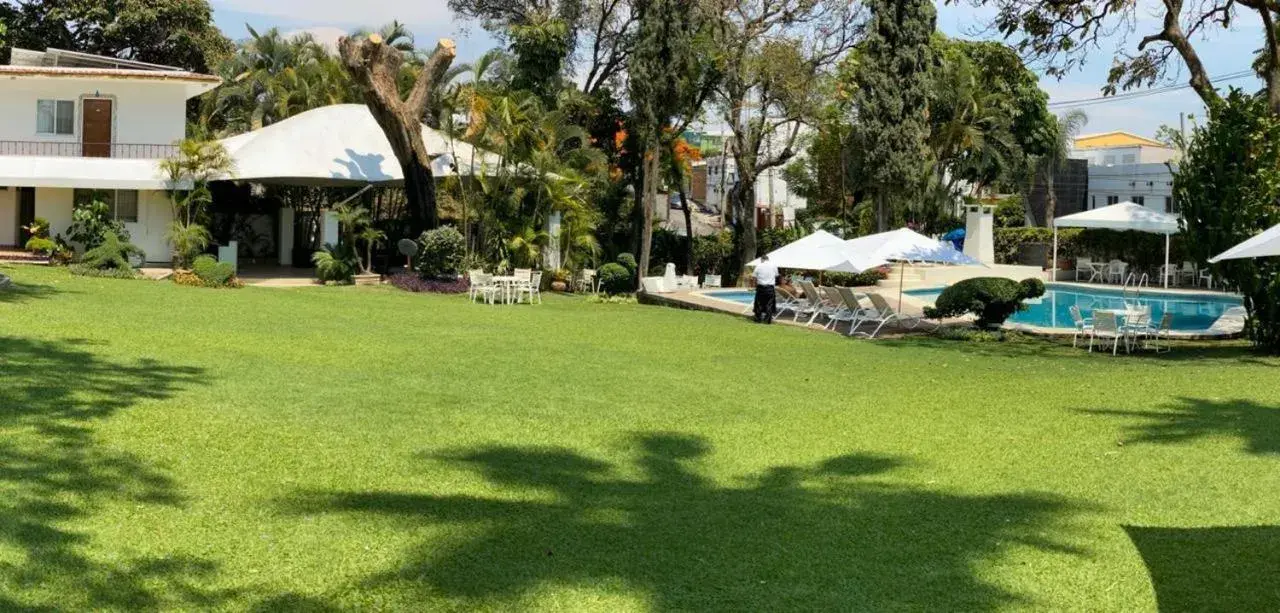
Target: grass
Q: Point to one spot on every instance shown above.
(165, 447)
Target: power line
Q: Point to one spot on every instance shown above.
(1143, 94)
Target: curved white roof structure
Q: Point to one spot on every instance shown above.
(340, 144)
(1123, 216)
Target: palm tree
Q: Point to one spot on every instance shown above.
(1066, 127)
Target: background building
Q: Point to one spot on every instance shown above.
(1127, 167)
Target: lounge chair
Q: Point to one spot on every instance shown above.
(858, 312)
(1085, 266)
(881, 314)
(1106, 327)
(1083, 325)
(834, 307)
(786, 301)
(813, 303)
(710, 281)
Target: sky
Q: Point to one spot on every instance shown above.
(1224, 52)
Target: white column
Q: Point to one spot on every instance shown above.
(285, 244)
(1165, 273)
(329, 230)
(1054, 275)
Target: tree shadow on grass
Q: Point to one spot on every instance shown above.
(22, 292)
(1225, 569)
(1202, 353)
(829, 537)
(1256, 424)
(54, 472)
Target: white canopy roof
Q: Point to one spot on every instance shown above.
(340, 144)
(1123, 216)
(821, 251)
(909, 245)
(81, 172)
(1266, 244)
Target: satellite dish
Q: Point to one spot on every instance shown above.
(408, 248)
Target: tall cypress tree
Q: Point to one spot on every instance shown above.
(891, 97)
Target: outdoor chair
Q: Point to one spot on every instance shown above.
(1137, 325)
(1083, 326)
(587, 280)
(1106, 327)
(882, 314)
(1116, 270)
(522, 273)
(1187, 276)
(473, 277)
(857, 311)
(786, 301)
(814, 304)
(710, 281)
(531, 288)
(834, 307)
(1161, 332)
(1170, 273)
(1206, 276)
(486, 288)
(1084, 266)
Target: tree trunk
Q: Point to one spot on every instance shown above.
(376, 67)
(1050, 199)
(688, 233)
(882, 212)
(743, 199)
(650, 194)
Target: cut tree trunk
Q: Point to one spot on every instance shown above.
(688, 233)
(743, 200)
(376, 67)
(646, 223)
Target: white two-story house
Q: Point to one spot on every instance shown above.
(76, 128)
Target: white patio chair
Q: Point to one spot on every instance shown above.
(531, 288)
(1116, 271)
(1137, 324)
(1169, 272)
(474, 290)
(1162, 332)
(488, 289)
(1187, 275)
(587, 280)
(1206, 276)
(710, 281)
(1084, 266)
(1082, 324)
(1106, 327)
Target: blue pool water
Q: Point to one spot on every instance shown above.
(1191, 312)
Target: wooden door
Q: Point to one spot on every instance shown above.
(96, 132)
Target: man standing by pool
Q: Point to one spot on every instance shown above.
(766, 295)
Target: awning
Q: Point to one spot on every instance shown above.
(340, 145)
(1123, 216)
(820, 251)
(81, 173)
(1266, 244)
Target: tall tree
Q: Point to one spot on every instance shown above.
(892, 80)
(376, 65)
(1061, 34)
(1065, 130)
(174, 32)
(772, 66)
(539, 49)
(667, 80)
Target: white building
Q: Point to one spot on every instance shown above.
(1127, 167)
(772, 192)
(76, 127)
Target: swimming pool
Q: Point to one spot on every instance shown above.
(1191, 312)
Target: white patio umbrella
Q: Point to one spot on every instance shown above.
(1266, 244)
(821, 251)
(1123, 216)
(906, 245)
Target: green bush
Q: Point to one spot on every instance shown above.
(1140, 249)
(616, 279)
(39, 228)
(628, 261)
(442, 251)
(336, 264)
(1009, 213)
(991, 299)
(41, 246)
(711, 253)
(91, 222)
(862, 279)
(619, 299)
(211, 272)
(82, 270)
(112, 253)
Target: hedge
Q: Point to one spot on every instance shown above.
(1140, 249)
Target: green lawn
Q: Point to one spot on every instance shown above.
(165, 447)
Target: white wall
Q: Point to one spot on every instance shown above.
(1153, 183)
(154, 216)
(771, 188)
(151, 112)
(9, 217)
(1123, 156)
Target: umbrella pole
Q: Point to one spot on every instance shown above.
(1165, 272)
(1054, 275)
(902, 272)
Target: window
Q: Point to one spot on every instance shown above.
(55, 117)
(1139, 200)
(1113, 200)
(1170, 205)
(123, 203)
(1093, 202)
(1109, 160)
(1129, 158)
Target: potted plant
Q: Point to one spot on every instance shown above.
(560, 280)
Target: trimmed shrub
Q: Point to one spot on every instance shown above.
(616, 279)
(620, 299)
(629, 262)
(82, 270)
(112, 253)
(212, 272)
(862, 279)
(991, 299)
(411, 282)
(41, 246)
(442, 251)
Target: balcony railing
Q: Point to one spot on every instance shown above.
(132, 151)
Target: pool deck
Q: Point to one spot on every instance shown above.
(1230, 325)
